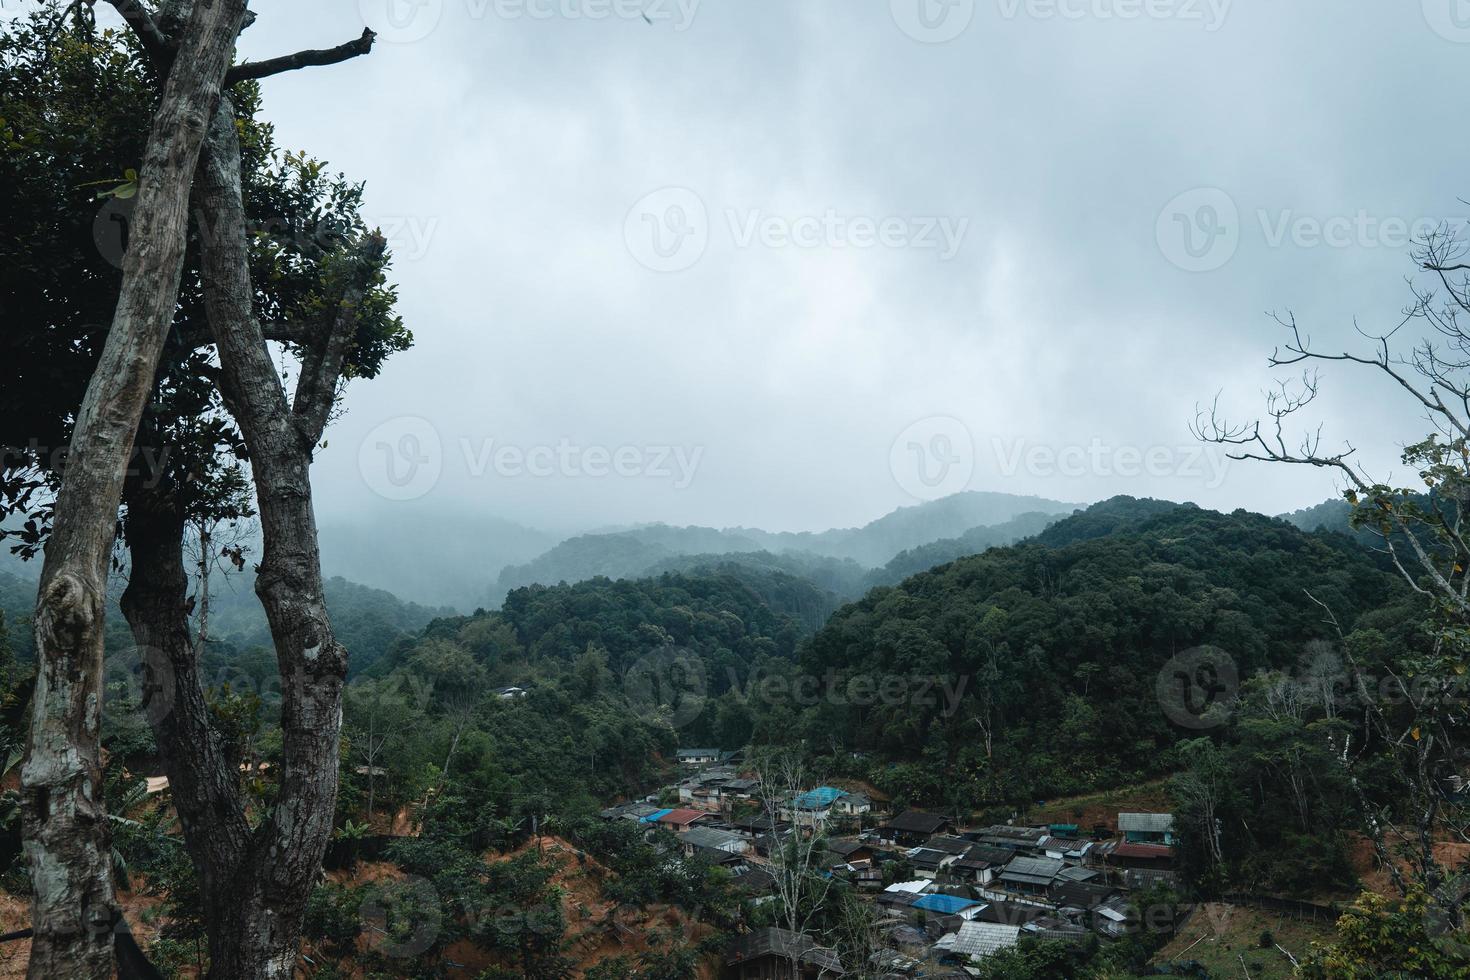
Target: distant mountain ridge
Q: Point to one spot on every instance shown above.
(636, 552)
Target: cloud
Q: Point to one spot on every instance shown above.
(508, 149)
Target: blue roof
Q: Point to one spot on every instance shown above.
(655, 817)
(945, 904)
(818, 799)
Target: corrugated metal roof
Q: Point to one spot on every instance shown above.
(818, 799)
(1146, 823)
(916, 822)
(709, 837)
(1047, 868)
(947, 904)
(980, 938)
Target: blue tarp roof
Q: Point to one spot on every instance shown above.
(655, 817)
(819, 798)
(945, 904)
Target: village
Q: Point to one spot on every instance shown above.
(944, 894)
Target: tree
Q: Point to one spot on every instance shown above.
(800, 889)
(1422, 532)
(305, 274)
(66, 831)
(1201, 790)
(376, 714)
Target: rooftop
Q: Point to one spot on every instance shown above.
(978, 939)
(787, 945)
(916, 822)
(818, 799)
(1145, 823)
(945, 904)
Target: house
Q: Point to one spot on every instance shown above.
(981, 863)
(1030, 876)
(681, 819)
(965, 908)
(1057, 929)
(896, 904)
(1081, 895)
(912, 827)
(1074, 872)
(696, 838)
(768, 954)
(847, 851)
(976, 940)
(1012, 838)
(911, 887)
(1142, 857)
(1010, 913)
(699, 757)
(739, 789)
(812, 808)
(928, 862)
(853, 804)
(1147, 828)
(1113, 918)
(629, 811)
(753, 881)
(863, 873)
(1066, 848)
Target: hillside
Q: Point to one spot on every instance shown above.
(1059, 646)
(640, 551)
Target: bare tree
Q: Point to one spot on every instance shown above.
(1422, 531)
(800, 890)
(381, 719)
(66, 834)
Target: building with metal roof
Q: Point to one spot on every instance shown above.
(965, 908)
(978, 940)
(1147, 828)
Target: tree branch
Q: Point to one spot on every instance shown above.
(149, 34)
(302, 59)
(321, 367)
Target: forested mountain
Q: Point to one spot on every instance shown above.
(432, 557)
(972, 542)
(1058, 647)
(641, 551)
(841, 576)
(369, 621)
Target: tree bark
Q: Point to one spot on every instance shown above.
(203, 783)
(275, 877)
(65, 820)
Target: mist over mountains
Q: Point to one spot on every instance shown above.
(846, 557)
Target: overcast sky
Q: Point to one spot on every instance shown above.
(794, 264)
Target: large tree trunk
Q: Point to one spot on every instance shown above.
(204, 786)
(66, 833)
(275, 878)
